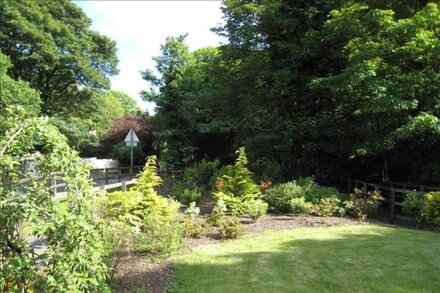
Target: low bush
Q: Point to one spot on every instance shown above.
(152, 218)
(195, 228)
(433, 207)
(186, 194)
(328, 207)
(218, 213)
(230, 228)
(158, 238)
(414, 207)
(201, 173)
(423, 208)
(361, 205)
(299, 206)
(304, 195)
(256, 209)
(279, 196)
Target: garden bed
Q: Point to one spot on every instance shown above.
(139, 272)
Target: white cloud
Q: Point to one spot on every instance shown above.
(140, 27)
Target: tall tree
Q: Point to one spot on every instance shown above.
(51, 46)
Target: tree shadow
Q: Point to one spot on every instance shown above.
(382, 259)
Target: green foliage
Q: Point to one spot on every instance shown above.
(195, 228)
(230, 228)
(122, 153)
(74, 259)
(201, 173)
(361, 205)
(184, 193)
(148, 179)
(128, 103)
(304, 195)
(159, 238)
(298, 205)
(433, 207)
(237, 188)
(256, 209)
(422, 208)
(52, 47)
(414, 207)
(328, 207)
(16, 92)
(279, 196)
(218, 213)
(336, 89)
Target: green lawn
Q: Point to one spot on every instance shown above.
(366, 258)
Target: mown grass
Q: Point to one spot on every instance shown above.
(364, 258)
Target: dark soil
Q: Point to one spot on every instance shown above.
(138, 273)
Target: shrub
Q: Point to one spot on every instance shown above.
(230, 228)
(186, 194)
(285, 198)
(201, 173)
(236, 188)
(152, 217)
(414, 207)
(256, 209)
(117, 238)
(329, 206)
(218, 213)
(195, 228)
(433, 207)
(159, 238)
(315, 193)
(299, 206)
(360, 204)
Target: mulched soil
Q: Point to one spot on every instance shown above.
(138, 273)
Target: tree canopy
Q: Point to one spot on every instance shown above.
(51, 46)
(334, 89)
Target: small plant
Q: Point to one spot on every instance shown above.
(300, 206)
(256, 209)
(328, 207)
(230, 228)
(361, 205)
(414, 207)
(192, 211)
(195, 228)
(218, 212)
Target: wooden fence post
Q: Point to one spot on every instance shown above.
(124, 186)
(364, 189)
(120, 175)
(392, 205)
(106, 176)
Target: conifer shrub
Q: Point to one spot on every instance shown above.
(236, 188)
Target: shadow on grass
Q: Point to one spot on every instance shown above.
(337, 259)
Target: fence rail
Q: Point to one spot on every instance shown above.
(393, 192)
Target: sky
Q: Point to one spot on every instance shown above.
(140, 27)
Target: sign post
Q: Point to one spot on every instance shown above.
(131, 140)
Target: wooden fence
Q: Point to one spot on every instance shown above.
(393, 192)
